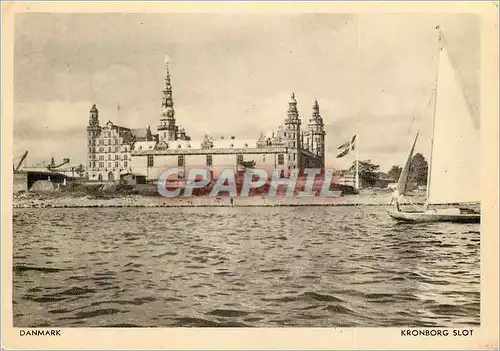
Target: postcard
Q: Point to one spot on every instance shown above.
(254, 175)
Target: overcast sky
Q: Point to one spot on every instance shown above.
(233, 75)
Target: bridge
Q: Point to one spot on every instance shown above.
(24, 179)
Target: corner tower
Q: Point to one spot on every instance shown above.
(316, 134)
(292, 134)
(93, 133)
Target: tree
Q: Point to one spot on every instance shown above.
(247, 164)
(395, 172)
(368, 172)
(418, 169)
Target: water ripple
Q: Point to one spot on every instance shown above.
(241, 267)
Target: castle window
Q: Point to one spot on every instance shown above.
(151, 161)
(117, 157)
(90, 164)
(93, 164)
(281, 159)
(90, 150)
(109, 148)
(180, 161)
(209, 160)
(116, 164)
(101, 158)
(109, 164)
(239, 159)
(124, 157)
(101, 164)
(125, 164)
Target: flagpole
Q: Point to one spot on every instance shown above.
(357, 162)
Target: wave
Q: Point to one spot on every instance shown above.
(20, 269)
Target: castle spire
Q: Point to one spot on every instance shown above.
(293, 114)
(316, 117)
(168, 102)
(94, 116)
(167, 120)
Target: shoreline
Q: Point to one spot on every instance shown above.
(140, 201)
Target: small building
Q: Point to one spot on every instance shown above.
(132, 178)
(347, 177)
(383, 182)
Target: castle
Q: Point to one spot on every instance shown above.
(115, 150)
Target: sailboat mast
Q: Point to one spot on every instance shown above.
(429, 169)
(356, 182)
(357, 161)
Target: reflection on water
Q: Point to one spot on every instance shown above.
(249, 267)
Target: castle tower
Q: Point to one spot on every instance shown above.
(93, 132)
(316, 134)
(167, 128)
(292, 134)
(93, 117)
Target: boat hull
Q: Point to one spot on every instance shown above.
(433, 216)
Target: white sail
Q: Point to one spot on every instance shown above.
(455, 161)
(403, 178)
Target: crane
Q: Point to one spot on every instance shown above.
(23, 157)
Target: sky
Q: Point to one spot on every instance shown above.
(232, 74)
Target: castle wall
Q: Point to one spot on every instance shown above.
(265, 158)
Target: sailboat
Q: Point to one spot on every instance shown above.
(454, 163)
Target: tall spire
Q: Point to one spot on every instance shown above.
(168, 102)
(167, 121)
